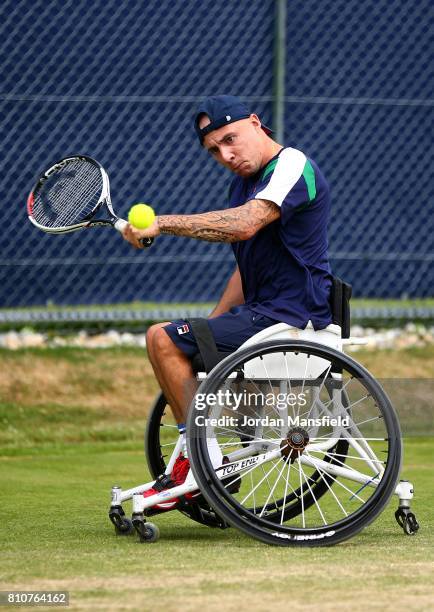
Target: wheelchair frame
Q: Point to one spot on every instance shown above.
(258, 452)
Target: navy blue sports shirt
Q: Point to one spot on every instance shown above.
(284, 268)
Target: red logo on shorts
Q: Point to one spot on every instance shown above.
(183, 330)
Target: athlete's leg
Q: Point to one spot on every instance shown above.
(174, 373)
(172, 369)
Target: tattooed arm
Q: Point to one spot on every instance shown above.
(229, 225)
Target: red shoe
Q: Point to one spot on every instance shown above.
(179, 473)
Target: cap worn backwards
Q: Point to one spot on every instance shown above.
(221, 110)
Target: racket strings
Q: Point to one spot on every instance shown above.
(69, 195)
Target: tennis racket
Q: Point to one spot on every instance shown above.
(71, 195)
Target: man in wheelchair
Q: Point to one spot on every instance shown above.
(276, 222)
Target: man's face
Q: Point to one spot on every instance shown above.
(237, 146)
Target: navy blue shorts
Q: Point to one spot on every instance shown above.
(230, 330)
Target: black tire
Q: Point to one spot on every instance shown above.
(373, 411)
(159, 444)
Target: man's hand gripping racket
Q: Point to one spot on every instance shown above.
(74, 194)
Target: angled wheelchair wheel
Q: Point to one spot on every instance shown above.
(161, 434)
(294, 443)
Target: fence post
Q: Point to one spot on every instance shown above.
(279, 70)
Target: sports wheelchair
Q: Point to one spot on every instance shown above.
(289, 440)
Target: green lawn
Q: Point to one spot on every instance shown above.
(56, 535)
(65, 440)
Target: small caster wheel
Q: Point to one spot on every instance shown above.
(152, 533)
(126, 527)
(410, 524)
(407, 521)
(122, 524)
(147, 532)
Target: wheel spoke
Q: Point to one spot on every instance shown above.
(272, 490)
(286, 490)
(319, 390)
(330, 454)
(312, 493)
(302, 495)
(273, 467)
(325, 480)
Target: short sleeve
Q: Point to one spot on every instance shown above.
(292, 181)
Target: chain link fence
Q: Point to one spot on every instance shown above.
(121, 81)
(360, 101)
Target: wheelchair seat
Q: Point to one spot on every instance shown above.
(330, 336)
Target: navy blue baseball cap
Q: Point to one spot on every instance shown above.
(221, 110)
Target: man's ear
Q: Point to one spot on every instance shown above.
(255, 121)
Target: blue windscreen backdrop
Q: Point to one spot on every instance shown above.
(120, 81)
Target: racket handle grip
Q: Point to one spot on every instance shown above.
(120, 225)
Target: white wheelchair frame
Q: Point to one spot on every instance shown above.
(329, 337)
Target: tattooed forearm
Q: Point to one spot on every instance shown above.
(230, 225)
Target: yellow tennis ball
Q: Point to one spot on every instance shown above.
(141, 216)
